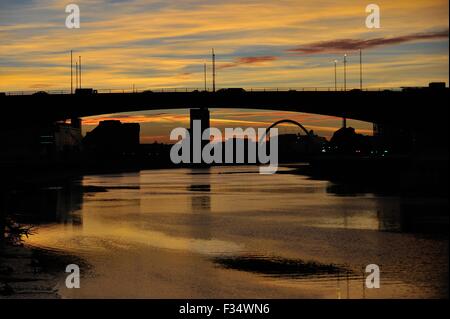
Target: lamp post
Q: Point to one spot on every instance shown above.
(335, 75)
(204, 76)
(71, 72)
(344, 120)
(360, 70)
(79, 65)
(76, 76)
(345, 72)
(214, 70)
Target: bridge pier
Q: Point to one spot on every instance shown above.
(202, 115)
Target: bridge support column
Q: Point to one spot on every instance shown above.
(75, 122)
(202, 115)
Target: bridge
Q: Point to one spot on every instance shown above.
(409, 108)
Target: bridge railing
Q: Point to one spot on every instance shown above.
(31, 92)
(180, 90)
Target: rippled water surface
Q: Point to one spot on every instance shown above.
(231, 232)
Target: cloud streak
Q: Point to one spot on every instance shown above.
(340, 45)
(163, 44)
(248, 60)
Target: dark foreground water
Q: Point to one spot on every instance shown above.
(230, 232)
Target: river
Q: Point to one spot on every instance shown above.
(229, 232)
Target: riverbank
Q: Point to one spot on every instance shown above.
(420, 176)
(28, 272)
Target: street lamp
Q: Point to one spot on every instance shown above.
(344, 120)
(204, 76)
(335, 75)
(345, 72)
(360, 70)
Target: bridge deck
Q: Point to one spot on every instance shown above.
(409, 107)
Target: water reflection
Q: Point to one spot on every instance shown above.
(200, 196)
(423, 215)
(205, 232)
(60, 202)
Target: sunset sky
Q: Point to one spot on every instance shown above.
(259, 43)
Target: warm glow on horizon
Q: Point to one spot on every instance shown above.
(156, 126)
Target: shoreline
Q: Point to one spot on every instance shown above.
(28, 272)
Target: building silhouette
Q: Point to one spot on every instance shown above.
(113, 138)
(346, 141)
(42, 142)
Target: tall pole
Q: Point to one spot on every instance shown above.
(335, 75)
(344, 120)
(204, 73)
(345, 72)
(360, 70)
(76, 75)
(71, 73)
(214, 70)
(79, 65)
